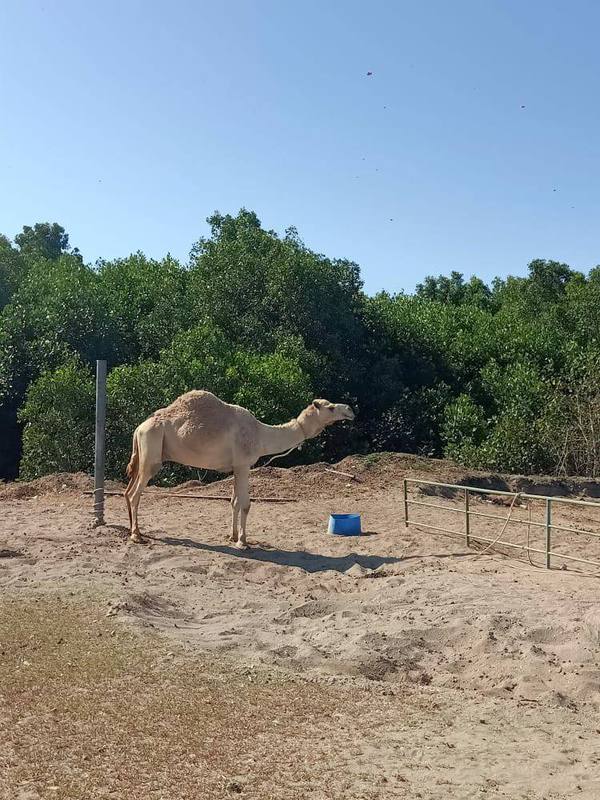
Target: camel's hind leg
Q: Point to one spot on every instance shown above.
(126, 494)
(150, 461)
(133, 502)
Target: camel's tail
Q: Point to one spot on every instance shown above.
(134, 461)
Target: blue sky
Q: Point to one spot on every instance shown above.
(130, 122)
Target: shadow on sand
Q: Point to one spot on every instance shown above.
(117, 528)
(309, 562)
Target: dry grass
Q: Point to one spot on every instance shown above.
(89, 709)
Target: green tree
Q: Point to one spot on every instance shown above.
(58, 414)
(258, 288)
(500, 376)
(148, 303)
(11, 270)
(464, 428)
(454, 291)
(44, 240)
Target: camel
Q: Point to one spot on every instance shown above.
(200, 430)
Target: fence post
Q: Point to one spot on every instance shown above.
(99, 443)
(405, 503)
(467, 520)
(548, 531)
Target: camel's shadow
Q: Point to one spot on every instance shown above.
(309, 562)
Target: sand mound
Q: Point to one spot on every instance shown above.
(374, 472)
(49, 484)
(56, 483)
(385, 471)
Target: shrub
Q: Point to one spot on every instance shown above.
(59, 422)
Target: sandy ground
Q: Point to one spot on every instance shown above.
(483, 671)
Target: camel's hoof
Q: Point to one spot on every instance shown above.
(242, 545)
(137, 538)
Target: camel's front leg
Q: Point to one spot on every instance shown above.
(235, 512)
(242, 481)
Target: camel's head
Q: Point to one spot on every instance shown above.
(321, 413)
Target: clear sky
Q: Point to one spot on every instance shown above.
(129, 122)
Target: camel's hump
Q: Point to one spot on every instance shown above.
(194, 404)
(198, 396)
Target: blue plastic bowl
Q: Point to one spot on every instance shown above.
(344, 524)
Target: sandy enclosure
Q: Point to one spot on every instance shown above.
(398, 609)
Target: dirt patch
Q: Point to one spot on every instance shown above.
(405, 611)
(7, 552)
(462, 619)
(91, 709)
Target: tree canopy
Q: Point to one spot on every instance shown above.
(502, 376)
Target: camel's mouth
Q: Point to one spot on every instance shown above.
(348, 414)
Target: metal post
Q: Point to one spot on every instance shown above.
(100, 443)
(467, 521)
(548, 531)
(405, 503)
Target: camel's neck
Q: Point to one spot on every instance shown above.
(279, 438)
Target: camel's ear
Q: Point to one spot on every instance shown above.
(319, 403)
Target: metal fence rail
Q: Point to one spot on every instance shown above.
(467, 491)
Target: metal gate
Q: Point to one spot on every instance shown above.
(549, 528)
